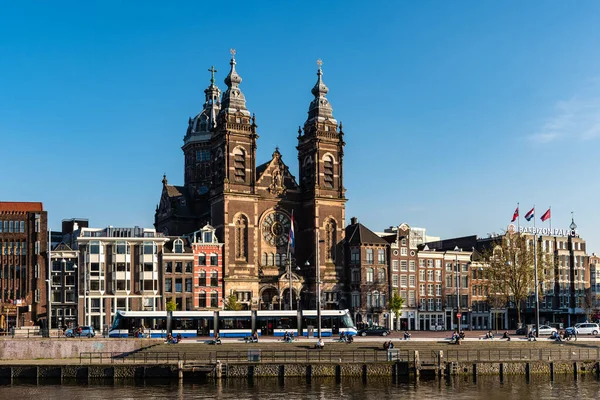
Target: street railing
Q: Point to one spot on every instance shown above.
(312, 356)
(102, 357)
(565, 353)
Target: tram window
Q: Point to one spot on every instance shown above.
(235, 323)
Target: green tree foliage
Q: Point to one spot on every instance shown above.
(232, 303)
(395, 304)
(171, 305)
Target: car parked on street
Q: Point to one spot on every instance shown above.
(586, 328)
(86, 331)
(546, 330)
(374, 331)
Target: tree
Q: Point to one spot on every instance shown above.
(232, 303)
(171, 305)
(395, 304)
(511, 268)
(590, 304)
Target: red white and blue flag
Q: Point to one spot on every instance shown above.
(530, 214)
(291, 238)
(515, 215)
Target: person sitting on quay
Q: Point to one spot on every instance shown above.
(407, 335)
(217, 339)
(388, 345)
(320, 344)
(288, 337)
(506, 336)
(349, 338)
(178, 337)
(489, 335)
(342, 337)
(532, 336)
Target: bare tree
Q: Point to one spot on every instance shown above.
(511, 272)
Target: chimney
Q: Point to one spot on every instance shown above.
(353, 221)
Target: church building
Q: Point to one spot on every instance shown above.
(253, 206)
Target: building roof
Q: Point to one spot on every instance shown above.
(21, 206)
(357, 234)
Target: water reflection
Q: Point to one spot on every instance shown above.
(458, 387)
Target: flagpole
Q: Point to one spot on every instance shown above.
(535, 279)
(550, 209)
(290, 263)
(518, 218)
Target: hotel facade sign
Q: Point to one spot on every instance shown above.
(544, 231)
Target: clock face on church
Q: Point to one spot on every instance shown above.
(275, 229)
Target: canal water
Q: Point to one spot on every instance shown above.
(487, 387)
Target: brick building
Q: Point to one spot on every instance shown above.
(178, 273)
(368, 272)
(250, 205)
(208, 271)
(23, 264)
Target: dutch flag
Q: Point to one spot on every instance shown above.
(291, 239)
(530, 215)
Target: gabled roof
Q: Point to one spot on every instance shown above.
(21, 206)
(62, 247)
(358, 234)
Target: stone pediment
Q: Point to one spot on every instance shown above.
(274, 176)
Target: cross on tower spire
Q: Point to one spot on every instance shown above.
(212, 70)
(232, 51)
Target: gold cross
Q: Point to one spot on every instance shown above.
(212, 70)
(319, 62)
(232, 51)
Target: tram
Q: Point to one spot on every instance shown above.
(232, 323)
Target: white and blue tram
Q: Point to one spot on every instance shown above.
(232, 323)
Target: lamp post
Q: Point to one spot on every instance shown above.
(318, 272)
(317, 282)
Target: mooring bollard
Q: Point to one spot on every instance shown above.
(575, 370)
(551, 371)
(180, 368)
(218, 370)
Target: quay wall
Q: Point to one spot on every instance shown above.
(32, 349)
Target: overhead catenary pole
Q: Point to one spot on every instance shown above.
(318, 262)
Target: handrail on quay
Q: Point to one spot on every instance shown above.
(132, 358)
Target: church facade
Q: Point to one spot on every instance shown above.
(253, 206)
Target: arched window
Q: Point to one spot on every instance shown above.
(271, 259)
(202, 279)
(370, 275)
(218, 166)
(307, 171)
(214, 260)
(381, 275)
(178, 246)
(214, 278)
(202, 299)
(264, 259)
(241, 238)
(201, 259)
(330, 239)
(239, 162)
(277, 259)
(376, 299)
(328, 172)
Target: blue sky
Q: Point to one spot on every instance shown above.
(453, 111)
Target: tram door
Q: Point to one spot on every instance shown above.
(266, 326)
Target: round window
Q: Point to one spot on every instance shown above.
(395, 252)
(412, 253)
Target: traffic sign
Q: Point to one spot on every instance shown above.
(458, 315)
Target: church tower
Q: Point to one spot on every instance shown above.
(197, 141)
(234, 141)
(320, 155)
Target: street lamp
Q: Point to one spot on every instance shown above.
(318, 282)
(289, 262)
(49, 303)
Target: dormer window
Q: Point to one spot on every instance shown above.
(207, 237)
(178, 246)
